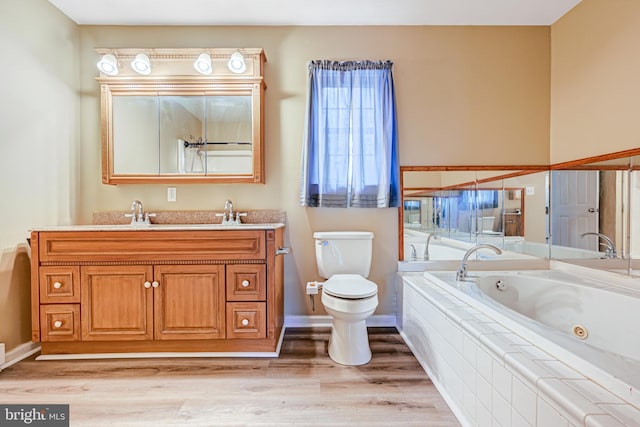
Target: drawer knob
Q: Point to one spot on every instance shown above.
(57, 285)
(245, 283)
(147, 285)
(155, 284)
(244, 322)
(57, 323)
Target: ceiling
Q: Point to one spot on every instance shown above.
(307, 12)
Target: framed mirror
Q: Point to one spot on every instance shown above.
(177, 125)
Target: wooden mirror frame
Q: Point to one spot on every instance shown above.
(173, 74)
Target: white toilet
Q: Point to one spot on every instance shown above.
(344, 257)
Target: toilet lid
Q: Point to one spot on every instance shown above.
(350, 286)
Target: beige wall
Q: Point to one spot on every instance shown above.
(39, 131)
(465, 96)
(595, 84)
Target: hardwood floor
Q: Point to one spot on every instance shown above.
(303, 387)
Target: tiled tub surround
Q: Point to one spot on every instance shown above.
(489, 373)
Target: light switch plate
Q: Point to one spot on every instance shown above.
(171, 194)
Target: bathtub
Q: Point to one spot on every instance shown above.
(567, 339)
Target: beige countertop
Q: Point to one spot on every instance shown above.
(159, 227)
(176, 220)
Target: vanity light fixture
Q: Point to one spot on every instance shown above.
(108, 64)
(141, 64)
(203, 64)
(236, 63)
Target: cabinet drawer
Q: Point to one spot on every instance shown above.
(148, 246)
(246, 319)
(60, 322)
(59, 284)
(246, 282)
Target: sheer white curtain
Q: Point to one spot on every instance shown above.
(350, 152)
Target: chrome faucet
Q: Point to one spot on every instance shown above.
(610, 247)
(228, 204)
(139, 215)
(414, 255)
(426, 247)
(461, 274)
(227, 216)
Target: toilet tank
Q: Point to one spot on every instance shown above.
(343, 252)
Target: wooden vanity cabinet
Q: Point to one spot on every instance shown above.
(146, 291)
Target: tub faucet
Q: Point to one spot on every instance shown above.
(426, 247)
(461, 274)
(610, 247)
(414, 256)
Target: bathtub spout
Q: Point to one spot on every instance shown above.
(610, 247)
(461, 274)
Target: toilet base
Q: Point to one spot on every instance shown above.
(349, 343)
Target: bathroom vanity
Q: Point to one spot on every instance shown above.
(160, 288)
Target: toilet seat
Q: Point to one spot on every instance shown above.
(349, 286)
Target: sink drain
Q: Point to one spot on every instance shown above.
(580, 332)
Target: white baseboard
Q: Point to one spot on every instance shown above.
(324, 321)
(17, 354)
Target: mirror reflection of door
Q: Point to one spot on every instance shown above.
(575, 208)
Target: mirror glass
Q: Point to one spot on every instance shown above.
(585, 211)
(634, 215)
(447, 212)
(588, 210)
(192, 135)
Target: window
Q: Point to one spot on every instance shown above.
(350, 153)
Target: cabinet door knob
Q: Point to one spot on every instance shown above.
(245, 283)
(147, 284)
(57, 285)
(57, 323)
(244, 322)
(155, 284)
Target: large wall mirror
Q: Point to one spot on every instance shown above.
(581, 211)
(590, 205)
(178, 125)
(446, 210)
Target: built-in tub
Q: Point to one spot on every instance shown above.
(528, 321)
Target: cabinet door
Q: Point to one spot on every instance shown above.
(189, 302)
(117, 304)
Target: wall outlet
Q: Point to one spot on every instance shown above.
(172, 194)
(531, 191)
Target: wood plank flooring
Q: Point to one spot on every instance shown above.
(303, 387)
